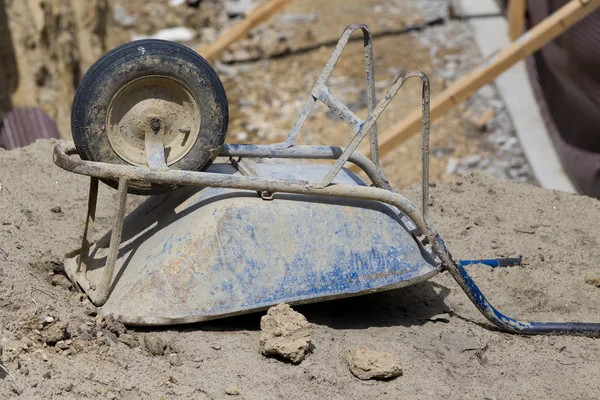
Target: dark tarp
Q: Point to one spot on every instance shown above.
(565, 75)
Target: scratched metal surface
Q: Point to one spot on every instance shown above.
(198, 254)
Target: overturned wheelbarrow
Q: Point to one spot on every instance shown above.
(220, 239)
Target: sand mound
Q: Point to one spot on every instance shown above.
(75, 354)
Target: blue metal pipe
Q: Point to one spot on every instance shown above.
(494, 262)
(507, 324)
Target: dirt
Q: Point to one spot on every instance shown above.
(76, 354)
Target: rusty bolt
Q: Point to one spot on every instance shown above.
(155, 124)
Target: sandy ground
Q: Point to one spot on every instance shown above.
(478, 216)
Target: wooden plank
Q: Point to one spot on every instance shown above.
(256, 17)
(527, 44)
(516, 18)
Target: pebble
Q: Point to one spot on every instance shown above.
(61, 344)
(593, 280)
(54, 333)
(62, 281)
(366, 363)
(175, 360)
(236, 8)
(121, 16)
(232, 390)
(154, 345)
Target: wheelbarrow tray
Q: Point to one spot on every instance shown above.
(204, 253)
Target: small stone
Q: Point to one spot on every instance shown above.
(525, 229)
(215, 347)
(62, 345)
(115, 327)
(121, 16)
(48, 320)
(593, 280)
(366, 363)
(54, 333)
(154, 345)
(56, 210)
(47, 375)
(445, 317)
(285, 333)
(232, 390)
(68, 387)
(128, 340)
(62, 281)
(175, 360)
(91, 311)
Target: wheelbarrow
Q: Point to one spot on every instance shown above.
(216, 239)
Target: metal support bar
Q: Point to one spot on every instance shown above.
(322, 93)
(374, 173)
(89, 225)
(379, 108)
(325, 74)
(154, 143)
(103, 288)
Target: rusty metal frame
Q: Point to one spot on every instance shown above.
(66, 157)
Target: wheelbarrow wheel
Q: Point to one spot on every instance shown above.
(156, 78)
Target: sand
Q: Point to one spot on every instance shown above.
(456, 357)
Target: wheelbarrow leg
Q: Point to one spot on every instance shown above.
(507, 324)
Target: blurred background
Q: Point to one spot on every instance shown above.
(47, 46)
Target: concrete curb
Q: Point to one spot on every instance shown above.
(491, 35)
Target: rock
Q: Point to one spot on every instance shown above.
(445, 317)
(61, 344)
(56, 210)
(154, 345)
(121, 16)
(128, 339)
(366, 363)
(285, 333)
(54, 333)
(47, 321)
(62, 281)
(290, 18)
(525, 229)
(590, 280)
(481, 122)
(175, 360)
(47, 375)
(232, 390)
(235, 8)
(179, 34)
(115, 327)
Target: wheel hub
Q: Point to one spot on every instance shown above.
(177, 109)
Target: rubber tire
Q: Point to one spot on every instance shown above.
(135, 60)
